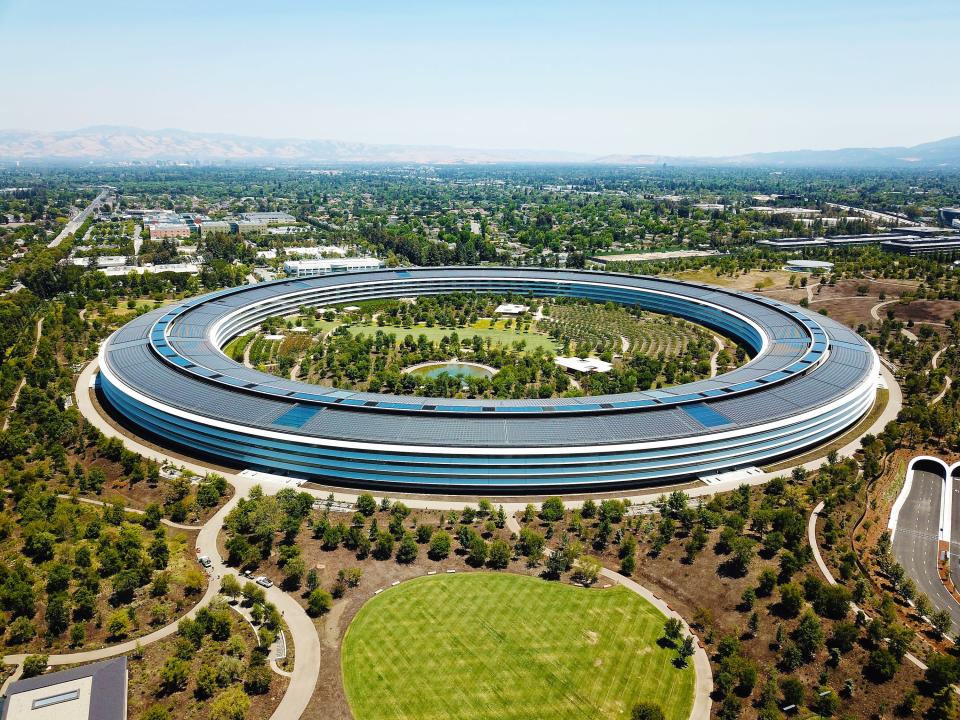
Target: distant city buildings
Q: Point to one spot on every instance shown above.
(311, 268)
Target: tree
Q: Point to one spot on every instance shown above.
(647, 711)
(21, 630)
(156, 712)
(293, 570)
(686, 650)
(439, 545)
(230, 586)
(941, 621)
(477, 553)
(366, 504)
(672, 629)
(552, 509)
(408, 549)
(791, 599)
(206, 684)
(319, 602)
(174, 675)
(34, 665)
(256, 681)
(232, 704)
(118, 626)
(531, 544)
(499, 555)
(882, 665)
(628, 554)
(57, 615)
(809, 635)
(384, 547)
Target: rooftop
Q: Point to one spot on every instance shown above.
(90, 692)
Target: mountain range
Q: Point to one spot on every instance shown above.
(110, 144)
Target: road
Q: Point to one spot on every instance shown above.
(917, 537)
(78, 220)
(137, 239)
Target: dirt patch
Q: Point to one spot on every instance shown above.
(920, 311)
(851, 311)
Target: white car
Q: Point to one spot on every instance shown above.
(264, 581)
(205, 561)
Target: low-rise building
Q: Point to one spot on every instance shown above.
(511, 309)
(90, 692)
(811, 266)
(214, 226)
(583, 365)
(160, 231)
(947, 246)
(103, 261)
(271, 218)
(310, 268)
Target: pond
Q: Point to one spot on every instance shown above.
(452, 368)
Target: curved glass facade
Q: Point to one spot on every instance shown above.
(809, 379)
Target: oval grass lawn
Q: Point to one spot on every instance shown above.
(475, 646)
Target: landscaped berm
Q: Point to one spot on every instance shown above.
(483, 645)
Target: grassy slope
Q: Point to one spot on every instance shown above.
(510, 647)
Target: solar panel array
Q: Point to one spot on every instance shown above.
(804, 361)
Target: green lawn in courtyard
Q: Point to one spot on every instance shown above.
(477, 646)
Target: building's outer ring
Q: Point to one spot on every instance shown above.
(810, 379)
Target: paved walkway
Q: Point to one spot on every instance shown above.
(828, 576)
(307, 662)
(703, 685)
(23, 380)
(303, 632)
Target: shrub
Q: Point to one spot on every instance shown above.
(408, 550)
(319, 602)
(366, 504)
(174, 675)
(646, 711)
(232, 704)
(499, 556)
(21, 631)
(552, 509)
(439, 545)
(34, 665)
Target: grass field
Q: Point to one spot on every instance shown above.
(497, 336)
(476, 646)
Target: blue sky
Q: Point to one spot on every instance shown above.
(681, 77)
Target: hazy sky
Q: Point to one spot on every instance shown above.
(665, 76)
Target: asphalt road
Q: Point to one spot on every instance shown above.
(916, 539)
(74, 225)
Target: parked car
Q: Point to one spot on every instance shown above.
(264, 581)
(205, 561)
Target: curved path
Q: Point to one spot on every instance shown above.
(23, 380)
(828, 576)
(306, 669)
(875, 310)
(307, 662)
(703, 685)
(718, 348)
(947, 380)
